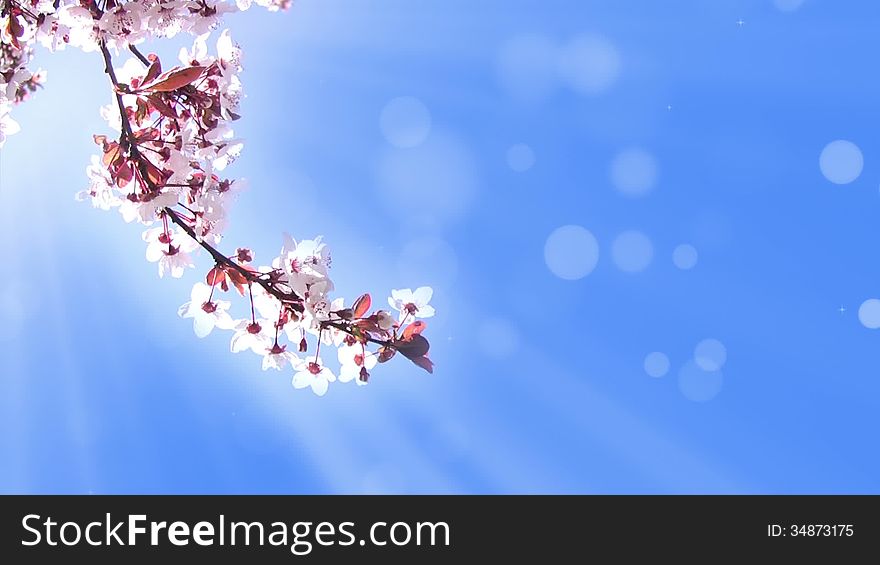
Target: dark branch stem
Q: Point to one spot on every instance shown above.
(108, 68)
(136, 52)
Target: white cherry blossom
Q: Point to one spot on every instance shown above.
(277, 357)
(254, 335)
(313, 374)
(206, 311)
(145, 211)
(101, 189)
(354, 361)
(412, 304)
(170, 250)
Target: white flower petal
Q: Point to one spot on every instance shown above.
(348, 373)
(185, 310)
(403, 295)
(200, 293)
(154, 252)
(422, 295)
(319, 386)
(203, 324)
(222, 319)
(302, 379)
(239, 342)
(370, 361)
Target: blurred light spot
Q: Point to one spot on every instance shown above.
(405, 122)
(428, 261)
(498, 338)
(632, 251)
(656, 364)
(869, 313)
(520, 157)
(841, 161)
(788, 5)
(685, 257)
(698, 384)
(634, 172)
(526, 67)
(430, 184)
(710, 354)
(590, 64)
(571, 252)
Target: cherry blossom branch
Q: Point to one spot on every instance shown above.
(131, 143)
(128, 135)
(165, 172)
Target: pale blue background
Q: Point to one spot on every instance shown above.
(105, 390)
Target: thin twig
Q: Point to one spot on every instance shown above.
(139, 55)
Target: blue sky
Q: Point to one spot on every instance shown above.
(444, 144)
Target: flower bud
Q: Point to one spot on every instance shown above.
(244, 255)
(384, 320)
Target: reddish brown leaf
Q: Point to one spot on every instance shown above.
(414, 347)
(361, 305)
(143, 111)
(111, 152)
(177, 77)
(154, 174)
(124, 174)
(15, 27)
(161, 107)
(345, 314)
(238, 280)
(385, 354)
(146, 134)
(414, 328)
(236, 277)
(216, 276)
(368, 325)
(154, 71)
(424, 363)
